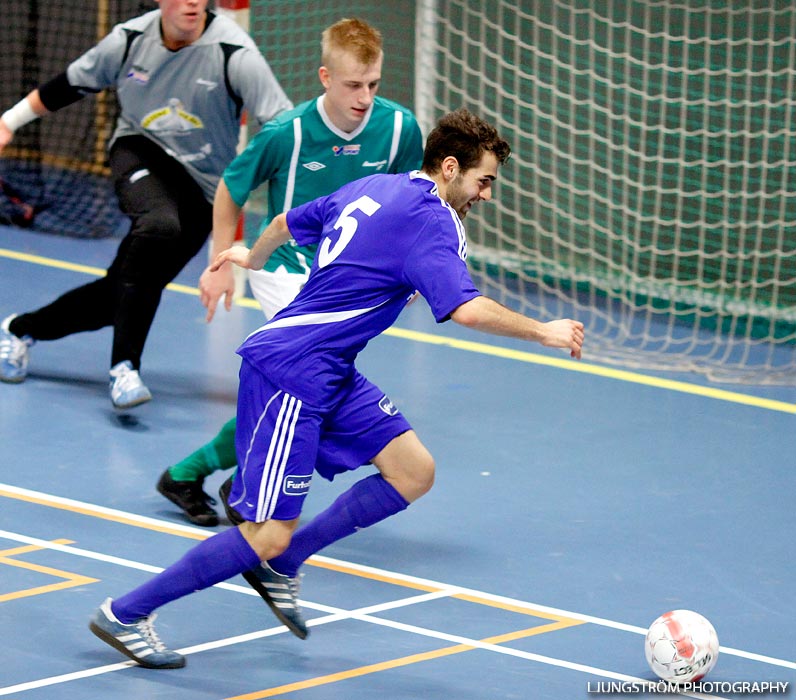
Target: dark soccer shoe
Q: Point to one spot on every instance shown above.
(223, 492)
(281, 594)
(189, 496)
(137, 640)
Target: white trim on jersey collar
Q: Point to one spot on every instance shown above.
(346, 136)
(421, 175)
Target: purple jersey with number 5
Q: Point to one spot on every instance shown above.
(379, 239)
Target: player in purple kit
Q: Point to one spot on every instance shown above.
(302, 405)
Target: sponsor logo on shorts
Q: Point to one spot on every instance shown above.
(388, 406)
(297, 485)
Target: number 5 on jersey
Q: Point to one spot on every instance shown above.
(347, 225)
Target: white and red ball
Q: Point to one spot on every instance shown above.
(681, 646)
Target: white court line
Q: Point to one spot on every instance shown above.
(363, 614)
(337, 614)
(146, 520)
(531, 607)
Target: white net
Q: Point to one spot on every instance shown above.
(651, 191)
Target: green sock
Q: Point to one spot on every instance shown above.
(217, 454)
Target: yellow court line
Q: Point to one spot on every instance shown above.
(596, 370)
(49, 588)
(105, 516)
(39, 569)
(70, 581)
(397, 663)
(352, 571)
(558, 621)
(484, 348)
(51, 262)
(28, 548)
(76, 267)
(372, 576)
(470, 598)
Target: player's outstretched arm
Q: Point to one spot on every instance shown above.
(274, 235)
(485, 314)
(220, 284)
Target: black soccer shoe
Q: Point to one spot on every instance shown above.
(223, 492)
(189, 496)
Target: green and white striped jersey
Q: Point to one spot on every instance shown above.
(303, 156)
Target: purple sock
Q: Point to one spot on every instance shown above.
(367, 502)
(218, 558)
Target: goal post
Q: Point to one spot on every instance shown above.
(651, 190)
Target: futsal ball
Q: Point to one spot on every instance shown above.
(681, 646)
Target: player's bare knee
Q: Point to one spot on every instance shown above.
(407, 465)
(418, 480)
(426, 474)
(270, 538)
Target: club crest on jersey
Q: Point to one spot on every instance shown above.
(349, 149)
(171, 119)
(297, 485)
(139, 75)
(388, 406)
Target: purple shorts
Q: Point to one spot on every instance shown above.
(282, 441)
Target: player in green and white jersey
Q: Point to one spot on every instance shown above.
(302, 155)
(308, 152)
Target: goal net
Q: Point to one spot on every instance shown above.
(54, 174)
(652, 188)
(288, 33)
(651, 191)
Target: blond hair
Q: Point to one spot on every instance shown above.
(354, 36)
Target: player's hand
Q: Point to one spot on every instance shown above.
(566, 334)
(237, 254)
(215, 284)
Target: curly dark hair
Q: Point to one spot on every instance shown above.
(464, 136)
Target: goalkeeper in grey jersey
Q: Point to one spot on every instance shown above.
(183, 77)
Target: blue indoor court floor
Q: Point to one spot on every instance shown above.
(574, 503)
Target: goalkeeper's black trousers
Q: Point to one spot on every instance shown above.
(170, 221)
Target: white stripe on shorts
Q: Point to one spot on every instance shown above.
(276, 459)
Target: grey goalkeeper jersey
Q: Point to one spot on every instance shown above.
(187, 101)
